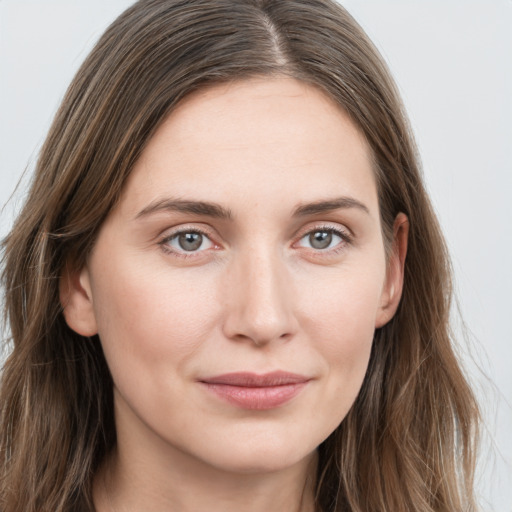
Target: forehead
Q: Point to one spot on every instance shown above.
(254, 139)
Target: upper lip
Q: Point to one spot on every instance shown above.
(254, 380)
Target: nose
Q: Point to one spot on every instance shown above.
(259, 298)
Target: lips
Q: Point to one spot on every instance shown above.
(256, 392)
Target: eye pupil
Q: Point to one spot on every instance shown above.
(190, 241)
(320, 239)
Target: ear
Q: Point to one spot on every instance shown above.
(392, 290)
(76, 300)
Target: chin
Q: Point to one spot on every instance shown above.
(261, 456)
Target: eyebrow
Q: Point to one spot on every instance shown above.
(220, 212)
(186, 206)
(329, 205)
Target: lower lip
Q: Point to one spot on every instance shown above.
(256, 398)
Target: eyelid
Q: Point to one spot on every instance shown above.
(342, 231)
(170, 234)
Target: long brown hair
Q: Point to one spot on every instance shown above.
(407, 443)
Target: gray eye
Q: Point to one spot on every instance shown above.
(190, 241)
(320, 239)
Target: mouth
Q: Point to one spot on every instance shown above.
(256, 392)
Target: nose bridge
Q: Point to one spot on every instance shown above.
(260, 301)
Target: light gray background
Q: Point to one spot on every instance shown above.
(452, 60)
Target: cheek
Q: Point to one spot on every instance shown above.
(344, 302)
(339, 319)
(153, 317)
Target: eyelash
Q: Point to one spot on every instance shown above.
(183, 254)
(344, 235)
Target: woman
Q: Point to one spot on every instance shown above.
(227, 289)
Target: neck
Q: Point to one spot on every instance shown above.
(146, 473)
(188, 486)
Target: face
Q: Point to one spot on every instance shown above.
(237, 285)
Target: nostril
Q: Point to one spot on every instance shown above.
(258, 308)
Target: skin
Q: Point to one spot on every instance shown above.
(256, 296)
